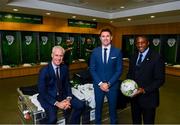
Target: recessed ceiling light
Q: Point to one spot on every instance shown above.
(122, 7)
(152, 16)
(15, 9)
(73, 17)
(94, 19)
(48, 13)
(129, 19)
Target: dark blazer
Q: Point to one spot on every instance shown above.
(150, 76)
(47, 85)
(109, 72)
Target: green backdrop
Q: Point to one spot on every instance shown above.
(10, 48)
(29, 47)
(45, 46)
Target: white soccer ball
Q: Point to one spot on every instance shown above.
(129, 87)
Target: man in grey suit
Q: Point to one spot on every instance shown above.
(147, 68)
(106, 69)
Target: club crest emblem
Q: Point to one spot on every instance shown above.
(59, 40)
(28, 40)
(156, 42)
(10, 39)
(171, 42)
(44, 40)
(131, 41)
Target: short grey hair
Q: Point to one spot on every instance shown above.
(58, 47)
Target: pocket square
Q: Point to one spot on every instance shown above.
(113, 57)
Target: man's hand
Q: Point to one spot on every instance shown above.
(65, 104)
(104, 87)
(139, 91)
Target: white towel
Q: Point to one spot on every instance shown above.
(35, 101)
(85, 92)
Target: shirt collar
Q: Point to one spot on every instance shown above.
(145, 52)
(108, 47)
(54, 66)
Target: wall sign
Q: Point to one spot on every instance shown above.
(82, 23)
(20, 18)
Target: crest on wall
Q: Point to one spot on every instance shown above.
(10, 39)
(59, 40)
(28, 40)
(171, 42)
(156, 42)
(44, 40)
(131, 41)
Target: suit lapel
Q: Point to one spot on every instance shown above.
(110, 54)
(51, 71)
(144, 63)
(146, 59)
(100, 55)
(61, 73)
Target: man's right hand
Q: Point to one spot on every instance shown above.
(63, 104)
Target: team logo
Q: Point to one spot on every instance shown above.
(131, 41)
(10, 39)
(171, 42)
(28, 40)
(44, 40)
(59, 40)
(156, 42)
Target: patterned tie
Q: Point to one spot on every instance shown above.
(139, 60)
(105, 55)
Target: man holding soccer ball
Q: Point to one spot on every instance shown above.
(147, 69)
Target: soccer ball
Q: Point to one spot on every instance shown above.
(129, 87)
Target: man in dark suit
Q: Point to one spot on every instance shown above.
(147, 68)
(106, 69)
(54, 90)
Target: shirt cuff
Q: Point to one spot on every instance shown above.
(100, 83)
(55, 103)
(69, 98)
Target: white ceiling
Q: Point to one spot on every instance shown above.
(165, 11)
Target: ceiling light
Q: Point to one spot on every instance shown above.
(73, 17)
(94, 19)
(122, 7)
(129, 19)
(48, 13)
(15, 10)
(152, 16)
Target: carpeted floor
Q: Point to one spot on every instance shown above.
(167, 113)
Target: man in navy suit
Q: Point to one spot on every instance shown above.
(147, 68)
(54, 89)
(106, 69)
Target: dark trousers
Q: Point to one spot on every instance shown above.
(77, 109)
(139, 114)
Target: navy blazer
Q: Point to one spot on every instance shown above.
(150, 76)
(47, 84)
(109, 72)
